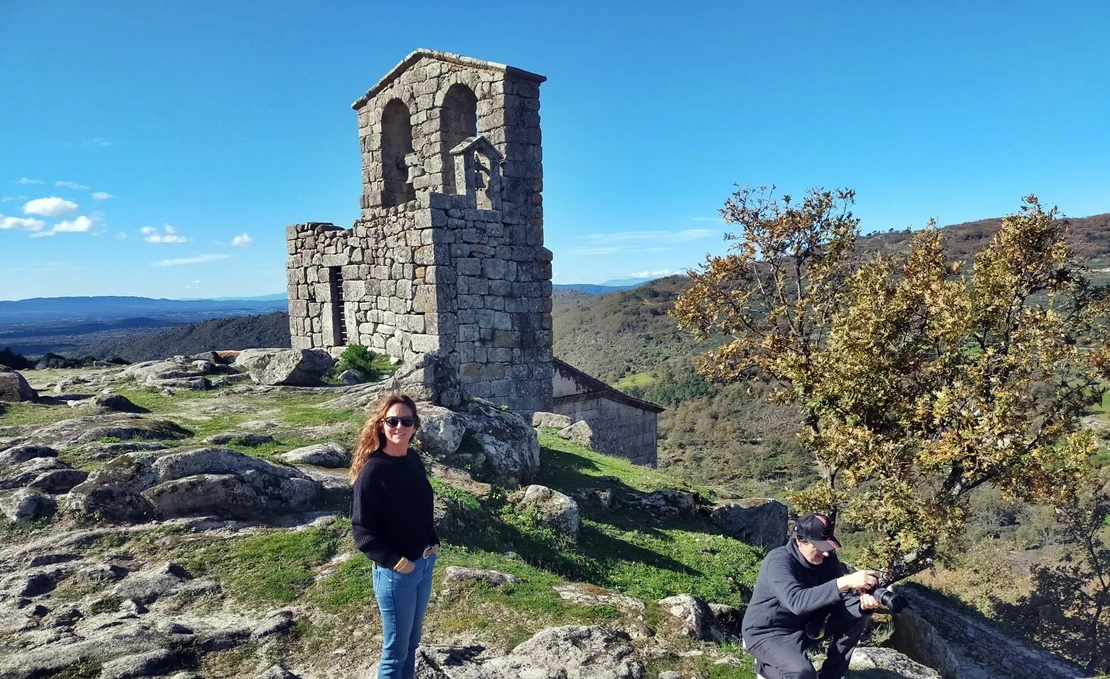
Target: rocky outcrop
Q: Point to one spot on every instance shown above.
(592, 595)
(174, 374)
(205, 481)
(759, 521)
(330, 455)
(541, 420)
(457, 574)
(669, 502)
(25, 504)
(495, 445)
(294, 367)
(693, 614)
(891, 663)
(572, 652)
(114, 426)
(441, 430)
(14, 388)
(580, 433)
(553, 509)
(498, 445)
(117, 403)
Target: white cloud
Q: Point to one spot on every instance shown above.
(42, 234)
(193, 286)
(614, 249)
(121, 235)
(71, 185)
(50, 207)
(242, 240)
(97, 141)
(200, 259)
(24, 180)
(649, 236)
(102, 195)
(80, 225)
(6, 199)
(24, 223)
(170, 235)
(651, 274)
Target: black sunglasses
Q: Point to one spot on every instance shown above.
(400, 421)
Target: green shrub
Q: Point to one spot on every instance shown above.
(358, 357)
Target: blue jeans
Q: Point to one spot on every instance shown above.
(402, 600)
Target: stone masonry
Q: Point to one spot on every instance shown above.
(620, 424)
(445, 268)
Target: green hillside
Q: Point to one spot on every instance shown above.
(238, 332)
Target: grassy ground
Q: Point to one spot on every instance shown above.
(642, 380)
(620, 548)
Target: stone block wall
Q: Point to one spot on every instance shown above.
(618, 428)
(444, 278)
(425, 270)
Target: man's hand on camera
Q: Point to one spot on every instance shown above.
(859, 580)
(868, 602)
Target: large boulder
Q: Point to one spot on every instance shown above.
(294, 367)
(171, 374)
(25, 505)
(118, 403)
(441, 430)
(553, 509)
(330, 455)
(580, 433)
(110, 427)
(758, 521)
(694, 616)
(497, 446)
(22, 453)
(204, 481)
(571, 652)
(24, 473)
(541, 420)
(14, 388)
(891, 662)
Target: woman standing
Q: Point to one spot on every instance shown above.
(393, 526)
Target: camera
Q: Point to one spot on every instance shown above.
(891, 600)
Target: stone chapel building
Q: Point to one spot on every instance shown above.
(445, 267)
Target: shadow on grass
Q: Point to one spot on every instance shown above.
(570, 473)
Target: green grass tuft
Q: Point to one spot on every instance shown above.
(275, 566)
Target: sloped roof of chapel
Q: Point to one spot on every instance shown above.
(422, 53)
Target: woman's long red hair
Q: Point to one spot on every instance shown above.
(370, 440)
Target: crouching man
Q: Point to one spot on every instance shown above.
(803, 594)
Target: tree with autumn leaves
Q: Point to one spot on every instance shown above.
(919, 379)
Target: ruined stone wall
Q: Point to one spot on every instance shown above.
(444, 279)
(424, 270)
(384, 291)
(618, 428)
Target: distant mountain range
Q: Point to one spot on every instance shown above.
(104, 309)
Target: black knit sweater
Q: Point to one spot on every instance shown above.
(391, 515)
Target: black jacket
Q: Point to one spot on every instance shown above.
(788, 592)
(392, 509)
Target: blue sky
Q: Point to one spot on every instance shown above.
(164, 146)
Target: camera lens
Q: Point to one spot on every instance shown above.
(890, 600)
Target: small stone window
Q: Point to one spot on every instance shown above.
(396, 145)
(458, 120)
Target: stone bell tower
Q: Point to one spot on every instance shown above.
(446, 267)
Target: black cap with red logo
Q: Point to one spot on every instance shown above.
(816, 529)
